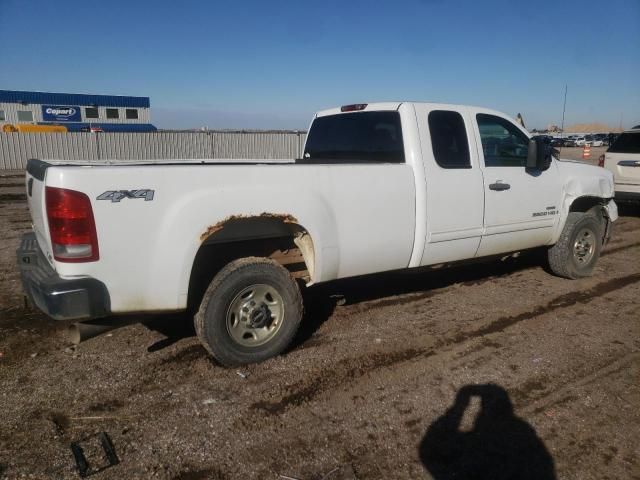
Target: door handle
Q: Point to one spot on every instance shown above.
(629, 163)
(499, 186)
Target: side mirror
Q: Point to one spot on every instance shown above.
(538, 155)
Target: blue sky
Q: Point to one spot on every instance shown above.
(259, 64)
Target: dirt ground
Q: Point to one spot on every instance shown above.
(496, 370)
(575, 153)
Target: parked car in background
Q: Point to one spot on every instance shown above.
(590, 140)
(544, 138)
(563, 142)
(623, 160)
(601, 137)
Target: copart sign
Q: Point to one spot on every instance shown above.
(60, 113)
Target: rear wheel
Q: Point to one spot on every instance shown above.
(578, 248)
(251, 311)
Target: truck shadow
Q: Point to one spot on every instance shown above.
(628, 210)
(497, 445)
(392, 287)
(174, 327)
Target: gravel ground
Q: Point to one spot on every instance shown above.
(496, 370)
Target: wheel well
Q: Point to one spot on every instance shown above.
(268, 236)
(584, 204)
(595, 204)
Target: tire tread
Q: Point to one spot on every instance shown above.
(214, 345)
(559, 255)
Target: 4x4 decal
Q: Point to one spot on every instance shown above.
(117, 195)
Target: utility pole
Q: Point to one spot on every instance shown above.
(564, 107)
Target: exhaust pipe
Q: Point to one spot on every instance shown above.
(81, 331)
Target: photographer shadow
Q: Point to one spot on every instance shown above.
(498, 445)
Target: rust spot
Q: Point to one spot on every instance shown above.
(284, 217)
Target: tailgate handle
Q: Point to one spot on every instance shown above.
(629, 163)
(499, 186)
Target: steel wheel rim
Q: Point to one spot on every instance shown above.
(584, 246)
(255, 315)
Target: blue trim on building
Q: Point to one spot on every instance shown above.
(14, 96)
(106, 127)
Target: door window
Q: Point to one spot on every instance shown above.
(503, 144)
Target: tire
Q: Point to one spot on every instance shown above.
(250, 312)
(578, 248)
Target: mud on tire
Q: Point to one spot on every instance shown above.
(251, 311)
(578, 248)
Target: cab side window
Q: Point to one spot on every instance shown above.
(449, 139)
(503, 144)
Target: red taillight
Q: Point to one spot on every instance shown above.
(601, 160)
(353, 108)
(71, 225)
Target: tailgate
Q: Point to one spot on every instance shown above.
(35, 182)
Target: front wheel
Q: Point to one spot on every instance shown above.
(578, 248)
(250, 312)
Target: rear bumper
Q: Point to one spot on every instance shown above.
(59, 298)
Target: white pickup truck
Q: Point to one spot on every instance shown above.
(380, 187)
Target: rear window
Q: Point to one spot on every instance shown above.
(628, 142)
(356, 137)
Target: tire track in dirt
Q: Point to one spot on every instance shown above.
(13, 197)
(345, 371)
(536, 404)
(562, 301)
(624, 228)
(621, 248)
